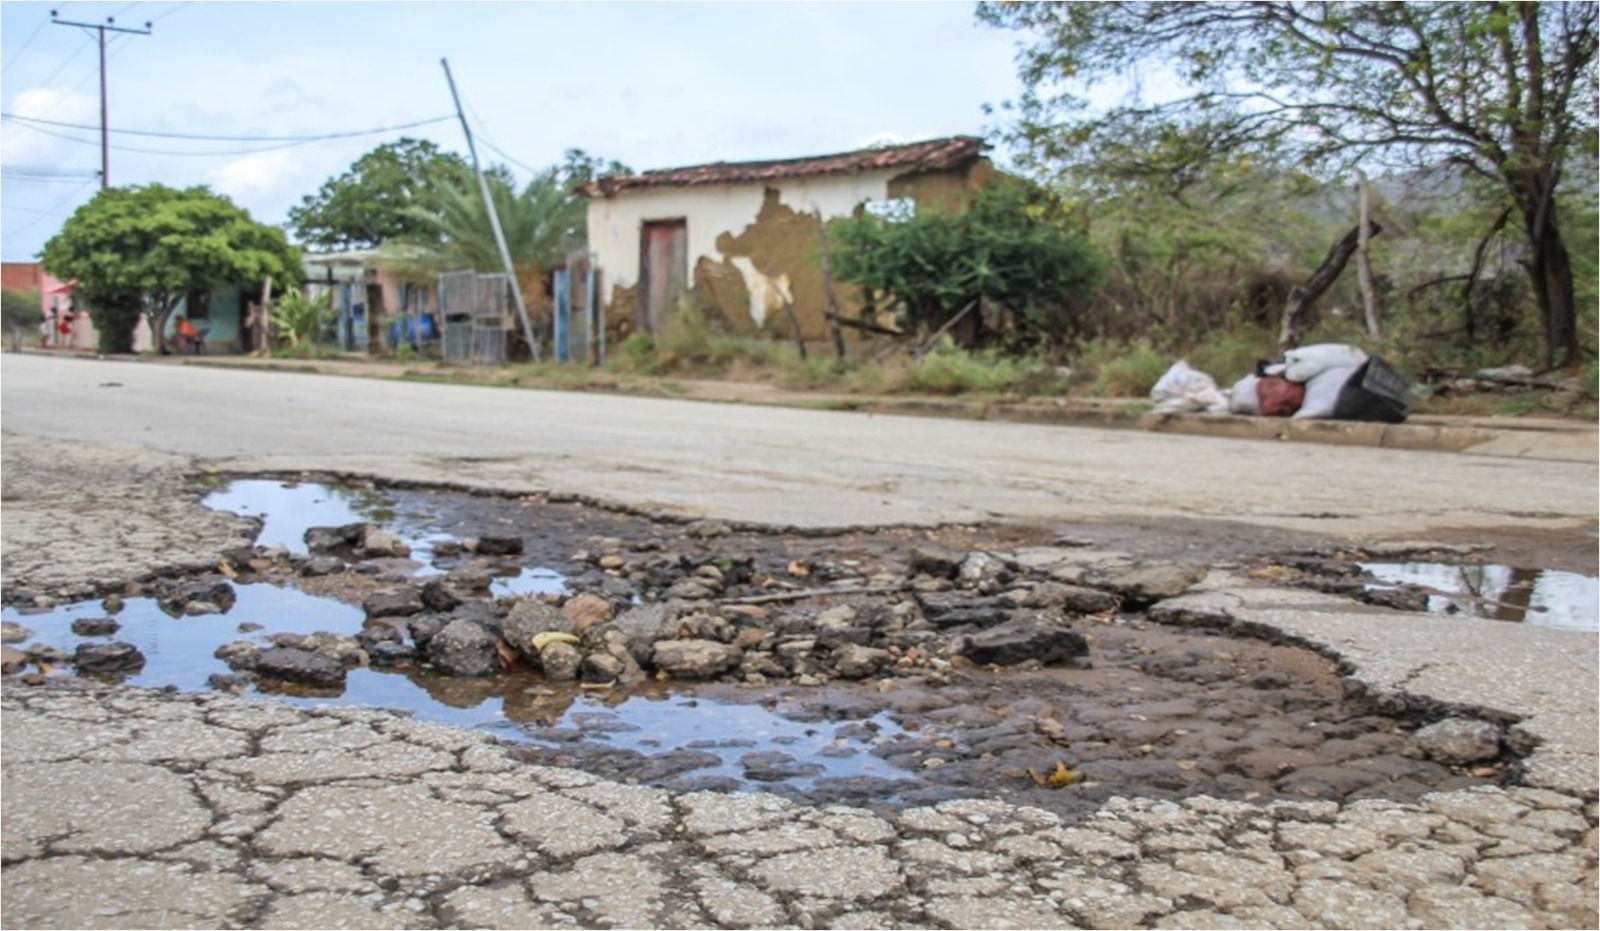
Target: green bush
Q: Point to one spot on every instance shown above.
(691, 343)
(295, 320)
(950, 370)
(1230, 355)
(1123, 370)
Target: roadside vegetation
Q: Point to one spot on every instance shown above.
(1194, 226)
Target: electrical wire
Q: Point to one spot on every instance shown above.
(27, 122)
(50, 211)
(172, 11)
(26, 42)
(502, 153)
(175, 153)
(45, 174)
(70, 59)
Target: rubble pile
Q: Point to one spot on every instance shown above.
(646, 612)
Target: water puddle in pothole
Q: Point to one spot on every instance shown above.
(714, 739)
(1158, 711)
(1539, 598)
(288, 509)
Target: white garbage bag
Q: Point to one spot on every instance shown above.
(1308, 362)
(1322, 392)
(1184, 389)
(1242, 397)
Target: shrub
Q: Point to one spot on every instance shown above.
(296, 319)
(1123, 370)
(1232, 354)
(950, 370)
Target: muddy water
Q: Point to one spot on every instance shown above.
(1156, 711)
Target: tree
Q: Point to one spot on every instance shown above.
(1012, 250)
(1505, 91)
(145, 248)
(542, 223)
(375, 200)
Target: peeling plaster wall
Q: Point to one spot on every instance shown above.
(752, 248)
(735, 268)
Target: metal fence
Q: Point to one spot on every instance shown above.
(477, 312)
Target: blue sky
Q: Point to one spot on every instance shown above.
(653, 85)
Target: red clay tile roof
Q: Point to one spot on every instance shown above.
(930, 155)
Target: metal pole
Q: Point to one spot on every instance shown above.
(105, 124)
(494, 218)
(105, 136)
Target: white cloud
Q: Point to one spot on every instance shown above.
(22, 144)
(254, 176)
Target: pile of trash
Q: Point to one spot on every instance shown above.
(1325, 381)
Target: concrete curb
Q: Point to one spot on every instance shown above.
(1548, 439)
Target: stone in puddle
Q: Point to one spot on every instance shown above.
(489, 545)
(296, 665)
(560, 661)
(775, 766)
(399, 602)
(115, 658)
(95, 626)
(463, 648)
(695, 659)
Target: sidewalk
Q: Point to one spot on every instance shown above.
(1505, 437)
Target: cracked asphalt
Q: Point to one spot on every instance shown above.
(128, 808)
(136, 808)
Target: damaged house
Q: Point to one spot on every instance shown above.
(741, 239)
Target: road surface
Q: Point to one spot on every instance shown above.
(776, 466)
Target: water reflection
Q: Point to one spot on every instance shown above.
(1542, 598)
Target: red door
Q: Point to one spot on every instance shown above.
(663, 270)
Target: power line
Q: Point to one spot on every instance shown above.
(45, 214)
(24, 171)
(27, 120)
(502, 153)
(174, 153)
(172, 11)
(27, 42)
(102, 29)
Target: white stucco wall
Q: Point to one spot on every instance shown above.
(711, 210)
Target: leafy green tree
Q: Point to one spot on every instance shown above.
(1504, 91)
(145, 248)
(377, 199)
(1013, 250)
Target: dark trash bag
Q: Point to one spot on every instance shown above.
(1279, 397)
(1375, 391)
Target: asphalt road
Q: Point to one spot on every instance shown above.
(771, 465)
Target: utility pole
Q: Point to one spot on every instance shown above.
(102, 29)
(494, 218)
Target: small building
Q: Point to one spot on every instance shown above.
(61, 325)
(742, 239)
(375, 305)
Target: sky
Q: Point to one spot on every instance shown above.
(650, 84)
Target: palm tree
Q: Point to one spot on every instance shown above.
(542, 223)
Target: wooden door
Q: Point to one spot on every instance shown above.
(663, 270)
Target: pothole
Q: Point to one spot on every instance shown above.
(890, 667)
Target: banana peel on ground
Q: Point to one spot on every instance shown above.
(1058, 778)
